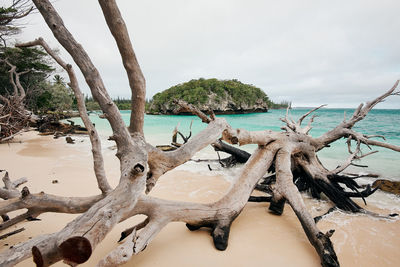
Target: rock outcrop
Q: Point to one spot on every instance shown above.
(387, 186)
(223, 97)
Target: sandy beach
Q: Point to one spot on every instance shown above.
(257, 237)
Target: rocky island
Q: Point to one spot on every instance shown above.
(222, 96)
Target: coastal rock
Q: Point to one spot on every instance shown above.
(69, 140)
(387, 186)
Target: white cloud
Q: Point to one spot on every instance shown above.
(309, 52)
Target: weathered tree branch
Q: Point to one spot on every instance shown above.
(160, 162)
(238, 155)
(14, 118)
(98, 162)
(10, 189)
(342, 129)
(218, 216)
(122, 254)
(89, 71)
(41, 202)
(12, 72)
(308, 113)
(136, 79)
(292, 126)
(286, 189)
(183, 106)
(93, 225)
(22, 251)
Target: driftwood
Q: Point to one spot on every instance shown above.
(174, 143)
(12, 233)
(290, 156)
(56, 128)
(237, 155)
(13, 118)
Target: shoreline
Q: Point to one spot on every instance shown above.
(216, 112)
(256, 236)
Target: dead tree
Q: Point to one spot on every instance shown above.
(14, 117)
(291, 155)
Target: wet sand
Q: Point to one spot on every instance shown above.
(257, 237)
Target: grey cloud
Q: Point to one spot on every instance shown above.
(309, 52)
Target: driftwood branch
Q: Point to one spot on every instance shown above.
(89, 71)
(237, 155)
(98, 162)
(135, 76)
(344, 128)
(183, 106)
(160, 162)
(12, 233)
(308, 113)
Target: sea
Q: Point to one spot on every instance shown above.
(383, 122)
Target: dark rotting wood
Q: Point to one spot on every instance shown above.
(276, 207)
(260, 199)
(240, 155)
(76, 249)
(12, 233)
(318, 218)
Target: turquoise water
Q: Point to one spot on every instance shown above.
(158, 129)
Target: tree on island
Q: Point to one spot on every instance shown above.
(290, 155)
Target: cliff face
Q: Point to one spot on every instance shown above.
(223, 97)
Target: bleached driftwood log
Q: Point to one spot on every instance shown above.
(291, 157)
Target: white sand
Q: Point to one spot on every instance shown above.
(257, 238)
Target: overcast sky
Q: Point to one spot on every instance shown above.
(310, 52)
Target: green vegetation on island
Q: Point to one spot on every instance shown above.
(222, 96)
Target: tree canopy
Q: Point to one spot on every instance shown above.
(32, 66)
(32, 59)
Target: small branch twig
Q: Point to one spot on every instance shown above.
(308, 113)
(12, 233)
(192, 109)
